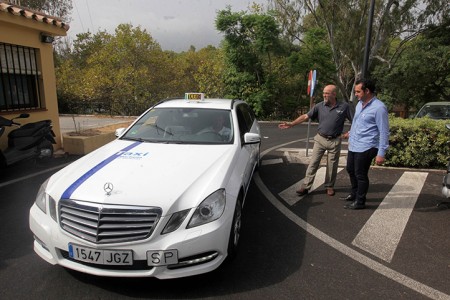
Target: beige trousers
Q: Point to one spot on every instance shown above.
(333, 147)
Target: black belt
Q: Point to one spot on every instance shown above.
(328, 137)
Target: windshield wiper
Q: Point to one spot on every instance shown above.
(133, 139)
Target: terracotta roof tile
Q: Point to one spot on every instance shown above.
(31, 14)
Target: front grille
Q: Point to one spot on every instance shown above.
(105, 223)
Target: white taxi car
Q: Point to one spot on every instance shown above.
(164, 199)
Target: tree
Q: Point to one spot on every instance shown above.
(56, 8)
(210, 72)
(128, 70)
(345, 23)
(125, 70)
(420, 74)
(121, 70)
(314, 54)
(251, 41)
(72, 68)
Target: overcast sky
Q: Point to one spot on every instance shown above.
(174, 24)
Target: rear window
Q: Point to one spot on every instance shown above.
(433, 111)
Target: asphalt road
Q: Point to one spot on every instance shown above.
(291, 248)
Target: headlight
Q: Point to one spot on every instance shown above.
(175, 221)
(209, 210)
(41, 197)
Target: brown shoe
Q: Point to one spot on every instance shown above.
(302, 192)
(330, 192)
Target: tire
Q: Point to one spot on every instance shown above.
(235, 232)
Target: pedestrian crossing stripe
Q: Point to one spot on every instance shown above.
(382, 232)
(290, 196)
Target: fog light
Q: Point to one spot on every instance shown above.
(43, 245)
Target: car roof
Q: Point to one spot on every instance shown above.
(437, 103)
(212, 103)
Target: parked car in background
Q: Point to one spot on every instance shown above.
(435, 110)
(163, 200)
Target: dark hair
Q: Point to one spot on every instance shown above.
(366, 84)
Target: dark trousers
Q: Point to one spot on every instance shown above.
(358, 165)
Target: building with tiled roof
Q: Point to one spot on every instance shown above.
(27, 74)
(32, 15)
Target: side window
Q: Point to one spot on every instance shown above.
(248, 115)
(245, 118)
(241, 122)
(251, 117)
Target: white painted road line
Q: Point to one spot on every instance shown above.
(272, 161)
(287, 153)
(344, 249)
(349, 252)
(289, 194)
(382, 232)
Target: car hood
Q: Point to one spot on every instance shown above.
(170, 176)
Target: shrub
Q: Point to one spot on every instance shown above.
(418, 143)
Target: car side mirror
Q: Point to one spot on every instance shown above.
(119, 131)
(252, 138)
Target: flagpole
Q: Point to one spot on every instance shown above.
(309, 126)
(311, 85)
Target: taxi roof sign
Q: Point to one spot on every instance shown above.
(194, 96)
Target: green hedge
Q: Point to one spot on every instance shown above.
(418, 143)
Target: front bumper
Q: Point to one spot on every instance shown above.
(446, 186)
(200, 249)
(446, 192)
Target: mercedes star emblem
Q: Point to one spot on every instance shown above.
(108, 187)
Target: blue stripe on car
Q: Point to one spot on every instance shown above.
(69, 191)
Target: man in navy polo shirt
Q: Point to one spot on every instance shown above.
(331, 115)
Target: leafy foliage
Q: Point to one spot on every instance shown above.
(421, 74)
(210, 72)
(345, 23)
(127, 72)
(266, 70)
(265, 57)
(57, 8)
(418, 143)
(251, 42)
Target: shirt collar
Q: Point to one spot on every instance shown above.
(368, 102)
(335, 105)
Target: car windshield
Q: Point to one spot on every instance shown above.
(183, 125)
(435, 111)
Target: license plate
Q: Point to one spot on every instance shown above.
(162, 257)
(101, 257)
